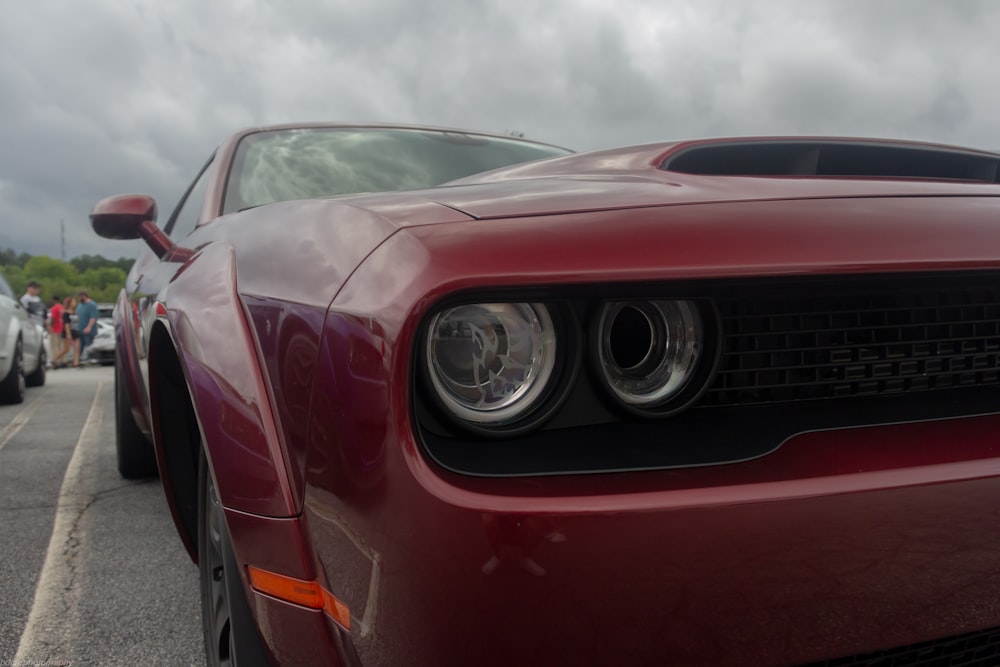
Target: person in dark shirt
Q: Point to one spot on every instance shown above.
(87, 314)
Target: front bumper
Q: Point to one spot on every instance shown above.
(774, 561)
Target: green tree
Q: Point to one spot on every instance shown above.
(15, 276)
(9, 257)
(46, 269)
(125, 263)
(85, 263)
(102, 278)
(104, 283)
(56, 276)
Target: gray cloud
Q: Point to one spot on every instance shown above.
(104, 97)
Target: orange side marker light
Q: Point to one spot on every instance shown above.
(300, 592)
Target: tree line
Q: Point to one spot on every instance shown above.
(102, 278)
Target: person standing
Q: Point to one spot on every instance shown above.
(60, 348)
(71, 330)
(32, 303)
(87, 314)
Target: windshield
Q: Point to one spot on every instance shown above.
(280, 165)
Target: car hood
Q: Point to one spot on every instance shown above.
(724, 170)
(579, 194)
(692, 194)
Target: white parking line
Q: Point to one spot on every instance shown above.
(18, 422)
(55, 610)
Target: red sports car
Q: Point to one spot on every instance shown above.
(722, 402)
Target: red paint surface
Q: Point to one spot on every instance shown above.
(295, 325)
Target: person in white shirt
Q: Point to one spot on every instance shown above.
(33, 304)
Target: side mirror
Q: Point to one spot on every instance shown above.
(121, 216)
(131, 217)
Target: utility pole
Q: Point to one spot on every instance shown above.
(62, 239)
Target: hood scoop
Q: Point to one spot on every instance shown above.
(843, 158)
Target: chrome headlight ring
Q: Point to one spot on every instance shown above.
(494, 368)
(651, 355)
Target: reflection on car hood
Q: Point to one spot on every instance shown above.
(724, 171)
(579, 194)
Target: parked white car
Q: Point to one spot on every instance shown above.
(102, 350)
(22, 356)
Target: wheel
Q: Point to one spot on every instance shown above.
(12, 386)
(136, 458)
(231, 636)
(37, 379)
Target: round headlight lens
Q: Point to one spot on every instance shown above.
(489, 363)
(648, 350)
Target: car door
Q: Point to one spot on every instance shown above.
(7, 305)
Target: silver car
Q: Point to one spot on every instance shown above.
(22, 357)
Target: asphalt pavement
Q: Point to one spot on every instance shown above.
(92, 571)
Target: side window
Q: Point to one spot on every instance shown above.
(185, 217)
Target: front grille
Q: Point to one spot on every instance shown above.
(976, 649)
(836, 343)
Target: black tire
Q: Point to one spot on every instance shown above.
(12, 387)
(37, 379)
(136, 458)
(228, 627)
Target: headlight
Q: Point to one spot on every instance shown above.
(491, 364)
(647, 351)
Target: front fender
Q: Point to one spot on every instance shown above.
(217, 354)
(126, 346)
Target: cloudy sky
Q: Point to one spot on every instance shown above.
(110, 96)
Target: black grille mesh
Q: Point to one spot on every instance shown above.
(974, 649)
(863, 343)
